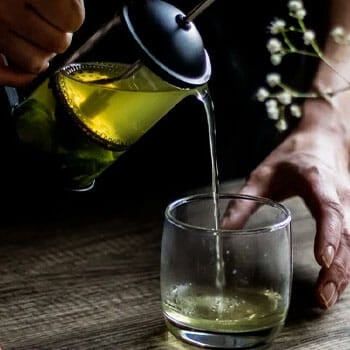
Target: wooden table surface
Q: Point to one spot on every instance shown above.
(89, 279)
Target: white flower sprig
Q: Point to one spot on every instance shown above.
(282, 45)
(340, 36)
(279, 98)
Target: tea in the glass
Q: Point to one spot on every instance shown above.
(246, 307)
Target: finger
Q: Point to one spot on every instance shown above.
(23, 54)
(321, 197)
(259, 182)
(333, 281)
(39, 33)
(9, 77)
(66, 15)
(272, 180)
(238, 211)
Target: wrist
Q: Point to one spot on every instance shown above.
(330, 116)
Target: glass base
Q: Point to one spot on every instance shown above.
(259, 339)
(73, 188)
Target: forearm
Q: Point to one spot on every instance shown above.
(332, 80)
(334, 70)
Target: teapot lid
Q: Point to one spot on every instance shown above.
(169, 44)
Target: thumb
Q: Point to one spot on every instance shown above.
(239, 210)
(12, 77)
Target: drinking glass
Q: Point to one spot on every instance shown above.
(221, 288)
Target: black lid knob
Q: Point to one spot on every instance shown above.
(169, 44)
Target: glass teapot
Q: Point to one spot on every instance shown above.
(85, 116)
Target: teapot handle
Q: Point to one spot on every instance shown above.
(9, 97)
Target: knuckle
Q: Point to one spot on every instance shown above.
(260, 173)
(35, 66)
(342, 285)
(311, 173)
(74, 22)
(341, 270)
(344, 194)
(346, 238)
(62, 43)
(336, 208)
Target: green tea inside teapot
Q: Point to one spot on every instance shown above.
(84, 118)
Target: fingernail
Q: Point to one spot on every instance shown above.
(328, 256)
(329, 294)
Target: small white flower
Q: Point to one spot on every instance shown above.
(277, 26)
(271, 104)
(273, 114)
(273, 79)
(272, 109)
(274, 45)
(282, 125)
(276, 59)
(284, 98)
(262, 94)
(309, 37)
(300, 14)
(295, 5)
(328, 92)
(295, 111)
(337, 33)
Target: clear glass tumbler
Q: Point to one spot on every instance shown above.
(227, 289)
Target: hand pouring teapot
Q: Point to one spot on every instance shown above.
(85, 116)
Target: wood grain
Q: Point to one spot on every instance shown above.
(89, 279)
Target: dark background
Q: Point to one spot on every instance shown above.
(174, 155)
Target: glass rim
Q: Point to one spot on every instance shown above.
(284, 222)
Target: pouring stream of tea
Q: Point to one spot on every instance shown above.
(205, 97)
(202, 95)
